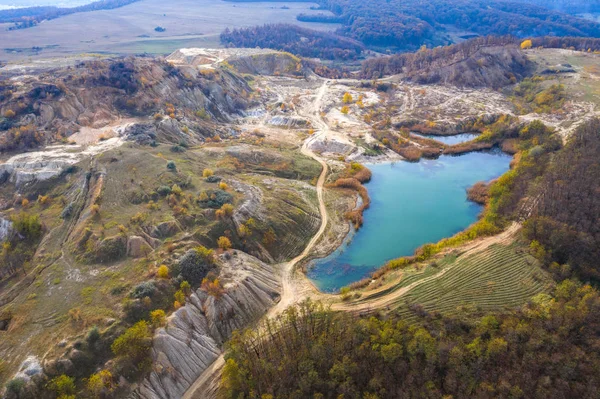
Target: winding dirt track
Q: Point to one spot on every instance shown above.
(206, 385)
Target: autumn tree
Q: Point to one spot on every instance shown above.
(224, 243)
(163, 271)
(227, 209)
(158, 318)
(347, 99)
(99, 383)
(134, 343)
(62, 385)
(526, 44)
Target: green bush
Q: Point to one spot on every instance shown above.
(195, 264)
(145, 289)
(15, 386)
(93, 335)
(63, 385)
(135, 343)
(177, 148)
(216, 199)
(27, 225)
(164, 190)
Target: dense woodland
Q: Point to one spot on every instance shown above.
(465, 59)
(296, 40)
(548, 349)
(566, 221)
(567, 6)
(394, 23)
(406, 25)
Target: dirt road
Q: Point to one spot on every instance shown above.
(384, 301)
(206, 385)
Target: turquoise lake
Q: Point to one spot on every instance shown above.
(411, 204)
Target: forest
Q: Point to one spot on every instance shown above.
(566, 219)
(312, 352)
(463, 64)
(406, 25)
(296, 40)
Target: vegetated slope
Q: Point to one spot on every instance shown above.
(498, 278)
(406, 24)
(194, 335)
(122, 238)
(275, 63)
(566, 208)
(482, 62)
(566, 6)
(547, 349)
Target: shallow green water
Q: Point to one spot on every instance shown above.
(450, 140)
(411, 204)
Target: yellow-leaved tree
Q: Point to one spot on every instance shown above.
(526, 44)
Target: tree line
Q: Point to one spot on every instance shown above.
(405, 25)
(434, 59)
(547, 349)
(294, 39)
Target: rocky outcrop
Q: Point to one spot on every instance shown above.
(137, 247)
(267, 63)
(110, 249)
(194, 335)
(289, 122)
(51, 161)
(166, 229)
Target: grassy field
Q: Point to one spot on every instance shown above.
(582, 88)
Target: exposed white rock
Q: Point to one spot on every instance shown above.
(205, 58)
(5, 229)
(52, 161)
(195, 333)
(30, 367)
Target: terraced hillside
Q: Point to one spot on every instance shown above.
(494, 274)
(500, 277)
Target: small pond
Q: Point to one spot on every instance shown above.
(411, 204)
(450, 140)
